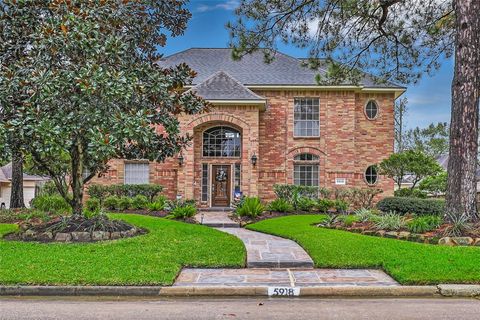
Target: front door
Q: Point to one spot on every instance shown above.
(221, 189)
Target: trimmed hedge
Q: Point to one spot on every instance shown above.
(404, 205)
(124, 190)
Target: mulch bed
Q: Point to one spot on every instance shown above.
(267, 215)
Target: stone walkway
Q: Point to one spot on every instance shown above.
(216, 219)
(273, 261)
(267, 251)
(282, 277)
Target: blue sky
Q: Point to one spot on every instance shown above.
(429, 100)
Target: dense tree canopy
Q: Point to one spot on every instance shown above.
(94, 91)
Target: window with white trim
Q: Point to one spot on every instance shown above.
(205, 182)
(137, 173)
(371, 110)
(371, 175)
(306, 118)
(306, 170)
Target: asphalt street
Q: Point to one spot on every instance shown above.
(246, 308)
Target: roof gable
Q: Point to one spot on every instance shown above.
(222, 86)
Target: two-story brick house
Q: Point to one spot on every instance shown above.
(271, 123)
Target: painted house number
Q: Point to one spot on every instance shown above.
(283, 291)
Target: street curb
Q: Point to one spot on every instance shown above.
(158, 291)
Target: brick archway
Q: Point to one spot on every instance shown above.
(312, 150)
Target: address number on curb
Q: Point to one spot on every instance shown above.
(283, 292)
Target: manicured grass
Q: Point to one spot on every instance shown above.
(407, 262)
(151, 259)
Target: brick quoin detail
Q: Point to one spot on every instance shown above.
(347, 145)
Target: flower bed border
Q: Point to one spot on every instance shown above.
(413, 237)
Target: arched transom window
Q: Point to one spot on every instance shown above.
(306, 169)
(222, 142)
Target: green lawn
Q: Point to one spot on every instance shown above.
(407, 262)
(151, 259)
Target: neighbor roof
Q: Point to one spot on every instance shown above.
(6, 174)
(222, 86)
(251, 70)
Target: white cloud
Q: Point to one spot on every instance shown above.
(224, 5)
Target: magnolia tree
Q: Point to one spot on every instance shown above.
(95, 91)
(395, 39)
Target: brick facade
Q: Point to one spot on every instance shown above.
(348, 143)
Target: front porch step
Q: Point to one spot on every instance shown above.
(216, 219)
(215, 209)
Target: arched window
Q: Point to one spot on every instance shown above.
(371, 110)
(305, 169)
(221, 142)
(371, 175)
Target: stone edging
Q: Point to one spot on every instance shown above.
(414, 237)
(443, 290)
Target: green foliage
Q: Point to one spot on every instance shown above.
(125, 190)
(250, 207)
(183, 212)
(323, 205)
(93, 205)
(459, 225)
(48, 189)
(158, 204)
(363, 197)
(124, 203)
(435, 185)
(111, 202)
(53, 203)
(424, 224)
(415, 163)
(306, 204)
(412, 205)
(432, 140)
(341, 206)
(365, 215)
(411, 193)
(280, 205)
(390, 221)
(289, 192)
(349, 220)
(97, 85)
(139, 202)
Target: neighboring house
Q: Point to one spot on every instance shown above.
(271, 124)
(30, 184)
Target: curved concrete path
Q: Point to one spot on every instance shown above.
(267, 251)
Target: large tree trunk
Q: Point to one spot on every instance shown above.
(16, 196)
(77, 179)
(462, 164)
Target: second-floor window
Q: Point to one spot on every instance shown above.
(306, 119)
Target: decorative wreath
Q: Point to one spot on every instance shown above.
(221, 176)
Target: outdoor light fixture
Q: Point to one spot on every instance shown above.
(254, 159)
(180, 159)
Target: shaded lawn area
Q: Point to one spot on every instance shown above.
(407, 262)
(151, 259)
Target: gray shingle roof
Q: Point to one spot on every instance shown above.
(222, 86)
(251, 69)
(6, 174)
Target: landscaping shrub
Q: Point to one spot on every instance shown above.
(111, 202)
(124, 203)
(125, 190)
(349, 220)
(363, 197)
(323, 205)
(289, 191)
(424, 224)
(390, 221)
(183, 212)
(92, 204)
(48, 189)
(280, 205)
(53, 203)
(412, 205)
(341, 206)
(250, 207)
(306, 204)
(365, 215)
(155, 206)
(412, 193)
(139, 202)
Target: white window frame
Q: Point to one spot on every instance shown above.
(145, 179)
(307, 121)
